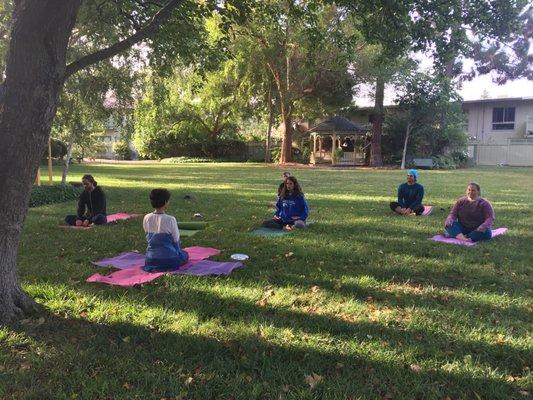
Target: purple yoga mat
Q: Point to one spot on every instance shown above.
(444, 239)
(131, 263)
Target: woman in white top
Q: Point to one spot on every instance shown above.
(162, 234)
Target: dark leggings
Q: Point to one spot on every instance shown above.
(418, 210)
(98, 219)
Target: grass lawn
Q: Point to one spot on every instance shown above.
(359, 306)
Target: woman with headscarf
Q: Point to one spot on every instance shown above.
(410, 196)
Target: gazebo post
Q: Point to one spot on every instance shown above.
(333, 147)
(313, 160)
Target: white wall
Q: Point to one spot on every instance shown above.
(480, 120)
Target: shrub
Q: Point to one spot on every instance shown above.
(122, 150)
(41, 195)
(183, 160)
(444, 162)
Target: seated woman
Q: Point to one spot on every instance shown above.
(91, 205)
(471, 217)
(291, 207)
(410, 196)
(163, 252)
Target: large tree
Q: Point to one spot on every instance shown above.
(495, 33)
(303, 48)
(37, 65)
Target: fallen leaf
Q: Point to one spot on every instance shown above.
(189, 380)
(315, 289)
(40, 321)
(126, 339)
(285, 388)
(289, 254)
(387, 396)
(126, 386)
(25, 366)
(313, 380)
(415, 368)
(263, 301)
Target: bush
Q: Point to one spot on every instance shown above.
(41, 195)
(122, 150)
(183, 160)
(444, 162)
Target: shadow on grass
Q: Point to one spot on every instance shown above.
(87, 360)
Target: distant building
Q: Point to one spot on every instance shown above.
(114, 128)
(500, 131)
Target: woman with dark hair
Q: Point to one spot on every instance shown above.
(164, 252)
(291, 207)
(471, 217)
(91, 205)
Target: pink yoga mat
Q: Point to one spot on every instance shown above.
(444, 239)
(111, 218)
(131, 264)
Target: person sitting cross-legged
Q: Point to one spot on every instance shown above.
(164, 252)
(410, 196)
(471, 217)
(291, 207)
(91, 205)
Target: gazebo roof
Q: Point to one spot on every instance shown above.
(338, 125)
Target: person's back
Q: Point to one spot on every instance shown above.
(163, 252)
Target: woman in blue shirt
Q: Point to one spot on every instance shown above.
(291, 207)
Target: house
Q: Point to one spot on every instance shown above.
(500, 131)
(114, 128)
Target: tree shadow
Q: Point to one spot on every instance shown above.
(83, 359)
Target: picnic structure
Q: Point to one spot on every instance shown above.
(334, 141)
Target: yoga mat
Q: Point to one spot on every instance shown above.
(131, 263)
(111, 218)
(192, 225)
(262, 231)
(187, 232)
(427, 210)
(444, 239)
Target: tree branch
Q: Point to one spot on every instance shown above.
(151, 27)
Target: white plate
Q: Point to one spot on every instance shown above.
(239, 257)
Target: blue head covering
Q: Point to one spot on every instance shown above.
(413, 173)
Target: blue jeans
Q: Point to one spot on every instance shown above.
(98, 219)
(456, 228)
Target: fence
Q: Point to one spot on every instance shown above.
(518, 153)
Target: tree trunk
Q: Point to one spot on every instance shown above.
(407, 132)
(377, 125)
(67, 161)
(286, 143)
(270, 122)
(34, 77)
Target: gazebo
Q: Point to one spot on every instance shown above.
(333, 140)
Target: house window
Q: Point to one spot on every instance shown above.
(503, 118)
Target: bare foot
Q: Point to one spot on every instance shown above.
(78, 222)
(462, 237)
(85, 223)
(287, 228)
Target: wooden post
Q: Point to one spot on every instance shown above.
(49, 160)
(38, 177)
(333, 148)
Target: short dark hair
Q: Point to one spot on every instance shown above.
(159, 197)
(89, 178)
(476, 186)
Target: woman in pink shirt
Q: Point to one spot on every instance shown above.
(471, 217)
